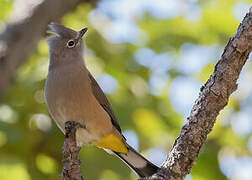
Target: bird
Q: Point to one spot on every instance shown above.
(73, 94)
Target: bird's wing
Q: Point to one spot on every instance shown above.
(102, 99)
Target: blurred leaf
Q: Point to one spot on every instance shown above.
(6, 6)
(46, 164)
(148, 123)
(13, 171)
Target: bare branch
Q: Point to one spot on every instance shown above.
(27, 26)
(212, 99)
(71, 161)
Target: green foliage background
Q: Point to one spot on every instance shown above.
(28, 151)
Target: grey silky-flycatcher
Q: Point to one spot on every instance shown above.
(72, 94)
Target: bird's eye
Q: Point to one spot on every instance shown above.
(70, 43)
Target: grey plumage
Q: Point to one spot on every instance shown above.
(61, 31)
(100, 96)
(72, 94)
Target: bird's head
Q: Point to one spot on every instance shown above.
(66, 43)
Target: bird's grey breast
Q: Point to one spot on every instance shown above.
(65, 93)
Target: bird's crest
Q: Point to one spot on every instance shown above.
(61, 31)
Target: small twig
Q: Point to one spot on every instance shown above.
(71, 161)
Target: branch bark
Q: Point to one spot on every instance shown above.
(71, 161)
(26, 27)
(213, 97)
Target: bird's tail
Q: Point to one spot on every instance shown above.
(140, 165)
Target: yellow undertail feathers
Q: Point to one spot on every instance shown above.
(113, 143)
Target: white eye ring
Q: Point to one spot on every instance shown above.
(70, 43)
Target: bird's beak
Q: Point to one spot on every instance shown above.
(82, 32)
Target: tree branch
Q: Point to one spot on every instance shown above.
(27, 26)
(212, 99)
(71, 161)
